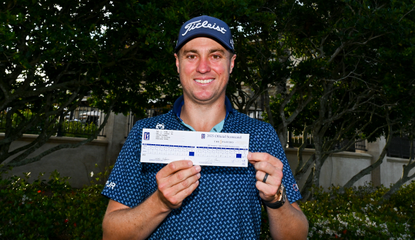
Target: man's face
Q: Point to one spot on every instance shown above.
(204, 67)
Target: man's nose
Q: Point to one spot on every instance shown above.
(203, 66)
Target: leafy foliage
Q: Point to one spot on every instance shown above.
(361, 213)
(349, 82)
(50, 209)
(53, 54)
(78, 129)
(69, 128)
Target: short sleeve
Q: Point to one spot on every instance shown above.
(126, 183)
(273, 146)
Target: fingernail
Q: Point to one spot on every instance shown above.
(249, 155)
(198, 168)
(190, 163)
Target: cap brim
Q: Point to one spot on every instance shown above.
(179, 46)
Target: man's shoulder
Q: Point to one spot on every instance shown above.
(247, 122)
(156, 121)
(164, 121)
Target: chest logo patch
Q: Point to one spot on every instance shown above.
(160, 126)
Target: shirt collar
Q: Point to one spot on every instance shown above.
(178, 104)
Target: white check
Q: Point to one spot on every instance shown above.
(202, 148)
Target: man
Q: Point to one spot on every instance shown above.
(182, 201)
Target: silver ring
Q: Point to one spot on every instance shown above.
(265, 178)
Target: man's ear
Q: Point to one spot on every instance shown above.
(177, 62)
(232, 63)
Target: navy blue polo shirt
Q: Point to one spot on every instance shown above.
(225, 205)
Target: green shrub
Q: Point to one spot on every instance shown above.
(53, 210)
(24, 115)
(78, 129)
(68, 128)
(361, 213)
(50, 210)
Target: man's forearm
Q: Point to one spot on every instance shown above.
(176, 181)
(288, 222)
(133, 223)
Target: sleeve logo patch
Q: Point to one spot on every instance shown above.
(295, 187)
(110, 185)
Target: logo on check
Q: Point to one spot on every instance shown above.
(146, 136)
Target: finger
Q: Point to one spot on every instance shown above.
(180, 191)
(174, 178)
(254, 158)
(266, 167)
(173, 167)
(258, 156)
(174, 190)
(251, 158)
(267, 191)
(272, 179)
(182, 176)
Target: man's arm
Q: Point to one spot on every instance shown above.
(288, 221)
(176, 181)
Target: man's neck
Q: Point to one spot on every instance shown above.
(203, 117)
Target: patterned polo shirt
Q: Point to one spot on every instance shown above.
(225, 205)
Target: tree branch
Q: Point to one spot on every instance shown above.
(376, 164)
(14, 163)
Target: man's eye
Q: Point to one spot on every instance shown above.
(191, 56)
(216, 56)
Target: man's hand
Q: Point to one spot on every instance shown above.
(176, 181)
(266, 163)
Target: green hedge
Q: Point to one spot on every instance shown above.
(362, 213)
(359, 213)
(78, 129)
(68, 128)
(53, 210)
(50, 209)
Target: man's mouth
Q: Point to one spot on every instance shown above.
(204, 81)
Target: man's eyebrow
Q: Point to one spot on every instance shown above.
(217, 50)
(189, 51)
(210, 51)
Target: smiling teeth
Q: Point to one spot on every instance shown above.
(204, 81)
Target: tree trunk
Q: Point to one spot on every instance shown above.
(405, 174)
(374, 165)
(307, 190)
